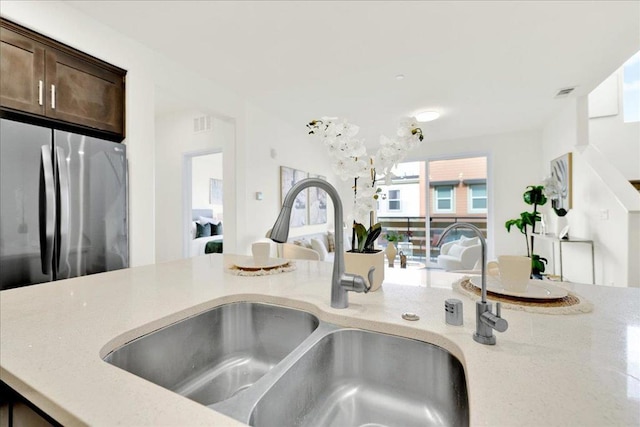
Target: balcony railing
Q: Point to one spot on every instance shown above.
(413, 229)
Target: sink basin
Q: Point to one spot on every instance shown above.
(269, 366)
(359, 378)
(216, 354)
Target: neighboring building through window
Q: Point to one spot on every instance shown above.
(443, 198)
(477, 198)
(394, 200)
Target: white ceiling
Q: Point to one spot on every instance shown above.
(488, 66)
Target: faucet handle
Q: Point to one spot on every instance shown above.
(356, 283)
(370, 276)
(494, 320)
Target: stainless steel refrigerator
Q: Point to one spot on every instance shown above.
(63, 205)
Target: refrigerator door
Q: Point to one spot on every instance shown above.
(91, 179)
(26, 202)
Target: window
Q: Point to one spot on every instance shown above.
(477, 198)
(631, 89)
(394, 200)
(443, 198)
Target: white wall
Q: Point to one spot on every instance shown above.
(618, 141)
(294, 148)
(599, 211)
(512, 164)
(145, 71)
(203, 169)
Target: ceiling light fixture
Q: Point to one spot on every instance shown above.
(427, 116)
(400, 77)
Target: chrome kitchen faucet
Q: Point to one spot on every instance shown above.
(486, 321)
(341, 282)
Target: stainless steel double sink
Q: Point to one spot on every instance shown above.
(267, 365)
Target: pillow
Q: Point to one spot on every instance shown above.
(204, 220)
(318, 246)
(469, 241)
(216, 229)
(303, 242)
(194, 229)
(455, 250)
(203, 230)
(331, 242)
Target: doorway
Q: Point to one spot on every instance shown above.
(425, 197)
(203, 201)
(457, 192)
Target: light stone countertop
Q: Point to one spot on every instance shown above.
(564, 370)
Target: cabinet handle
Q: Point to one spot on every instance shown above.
(40, 91)
(53, 97)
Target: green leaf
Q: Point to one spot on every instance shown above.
(527, 218)
(518, 223)
(361, 235)
(374, 232)
(537, 264)
(535, 195)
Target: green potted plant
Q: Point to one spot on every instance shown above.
(391, 250)
(393, 236)
(533, 196)
(366, 238)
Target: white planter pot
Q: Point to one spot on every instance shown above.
(358, 263)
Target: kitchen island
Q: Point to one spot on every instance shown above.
(580, 369)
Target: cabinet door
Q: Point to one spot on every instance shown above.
(84, 93)
(22, 72)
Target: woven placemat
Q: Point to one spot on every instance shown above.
(238, 271)
(571, 304)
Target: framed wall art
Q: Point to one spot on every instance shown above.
(561, 171)
(317, 203)
(288, 178)
(215, 191)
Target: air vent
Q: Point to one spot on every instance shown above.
(202, 124)
(562, 93)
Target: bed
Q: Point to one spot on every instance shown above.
(203, 243)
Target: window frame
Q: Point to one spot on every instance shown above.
(398, 200)
(470, 198)
(436, 209)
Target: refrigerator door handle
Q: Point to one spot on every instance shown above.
(46, 209)
(63, 206)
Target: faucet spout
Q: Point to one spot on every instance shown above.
(486, 321)
(341, 282)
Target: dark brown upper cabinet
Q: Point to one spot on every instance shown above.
(22, 75)
(48, 79)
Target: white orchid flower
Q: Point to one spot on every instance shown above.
(350, 160)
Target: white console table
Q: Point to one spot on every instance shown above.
(554, 238)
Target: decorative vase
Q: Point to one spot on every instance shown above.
(360, 263)
(561, 223)
(391, 252)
